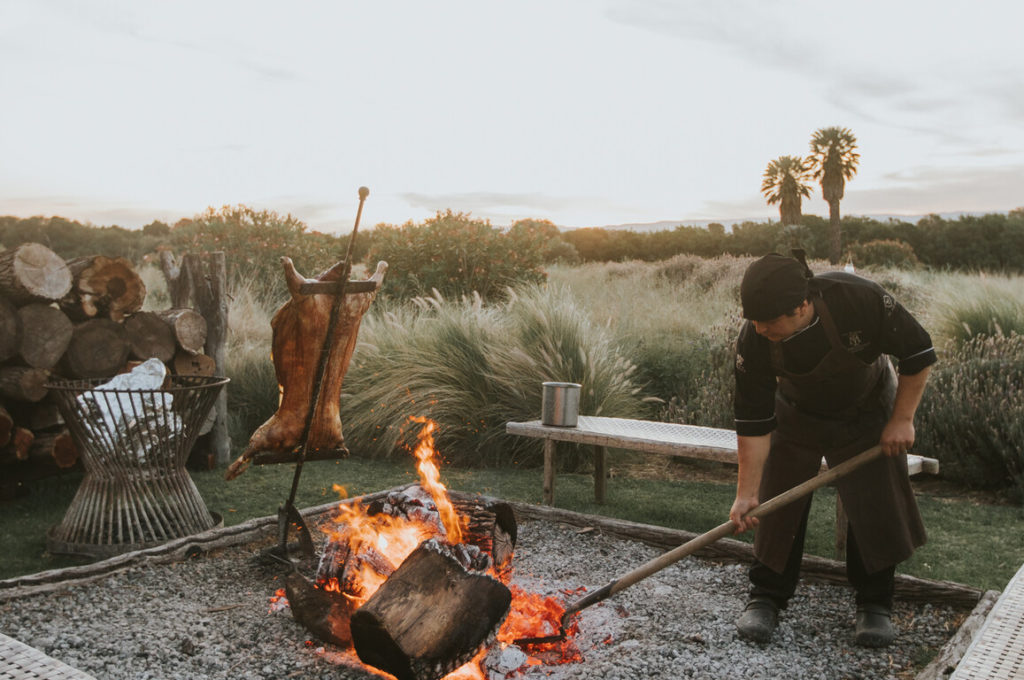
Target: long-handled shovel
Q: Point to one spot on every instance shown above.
(695, 544)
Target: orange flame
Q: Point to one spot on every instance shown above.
(382, 542)
(430, 479)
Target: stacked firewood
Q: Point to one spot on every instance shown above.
(68, 320)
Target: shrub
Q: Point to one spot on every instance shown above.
(456, 256)
(472, 368)
(253, 242)
(705, 397)
(884, 253)
(972, 415)
(966, 306)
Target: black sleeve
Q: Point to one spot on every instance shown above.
(754, 401)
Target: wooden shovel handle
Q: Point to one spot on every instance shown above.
(721, 531)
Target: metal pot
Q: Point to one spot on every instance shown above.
(560, 404)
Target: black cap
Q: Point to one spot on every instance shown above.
(772, 286)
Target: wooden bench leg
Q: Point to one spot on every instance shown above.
(549, 471)
(600, 472)
(841, 525)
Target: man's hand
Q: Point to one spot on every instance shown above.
(897, 437)
(740, 507)
(751, 453)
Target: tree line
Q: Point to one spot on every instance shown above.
(457, 254)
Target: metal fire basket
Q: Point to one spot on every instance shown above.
(133, 443)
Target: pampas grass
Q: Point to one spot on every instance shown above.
(472, 368)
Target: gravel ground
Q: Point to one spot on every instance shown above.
(209, 617)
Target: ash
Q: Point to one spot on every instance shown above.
(210, 617)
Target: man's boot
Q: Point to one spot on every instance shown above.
(874, 626)
(759, 619)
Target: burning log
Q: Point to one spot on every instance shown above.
(430, 617)
(299, 328)
(325, 613)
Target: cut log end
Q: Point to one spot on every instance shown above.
(431, 616)
(32, 272)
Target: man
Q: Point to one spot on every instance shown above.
(813, 379)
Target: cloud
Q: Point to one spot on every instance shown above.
(877, 61)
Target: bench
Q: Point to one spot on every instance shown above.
(997, 650)
(648, 436)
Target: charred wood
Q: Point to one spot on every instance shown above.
(430, 617)
(324, 613)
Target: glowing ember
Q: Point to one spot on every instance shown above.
(375, 545)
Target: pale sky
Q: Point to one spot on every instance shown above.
(582, 112)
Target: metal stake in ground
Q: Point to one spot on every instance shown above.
(288, 514)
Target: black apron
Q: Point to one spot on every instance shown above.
(838, 410)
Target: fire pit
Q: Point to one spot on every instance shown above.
(207, 617)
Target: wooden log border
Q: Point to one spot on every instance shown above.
(814, 569)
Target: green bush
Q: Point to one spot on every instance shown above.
(253, 242)
(472, 368)
(457, 255)
(972, 414)
(884, 253)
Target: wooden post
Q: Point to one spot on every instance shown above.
(841, 526)
(549, 471)
(209, 286)
(600, 472)
(204, 280)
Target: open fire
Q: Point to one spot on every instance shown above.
(420, 586)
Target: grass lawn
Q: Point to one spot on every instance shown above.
(973, 543)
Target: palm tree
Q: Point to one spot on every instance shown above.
(785, 183)
(833, 161)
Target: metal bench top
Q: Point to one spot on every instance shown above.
(997, 651)
(18, 661)
(657, 437)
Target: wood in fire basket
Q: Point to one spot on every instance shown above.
(489, 538)
(430, 617)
